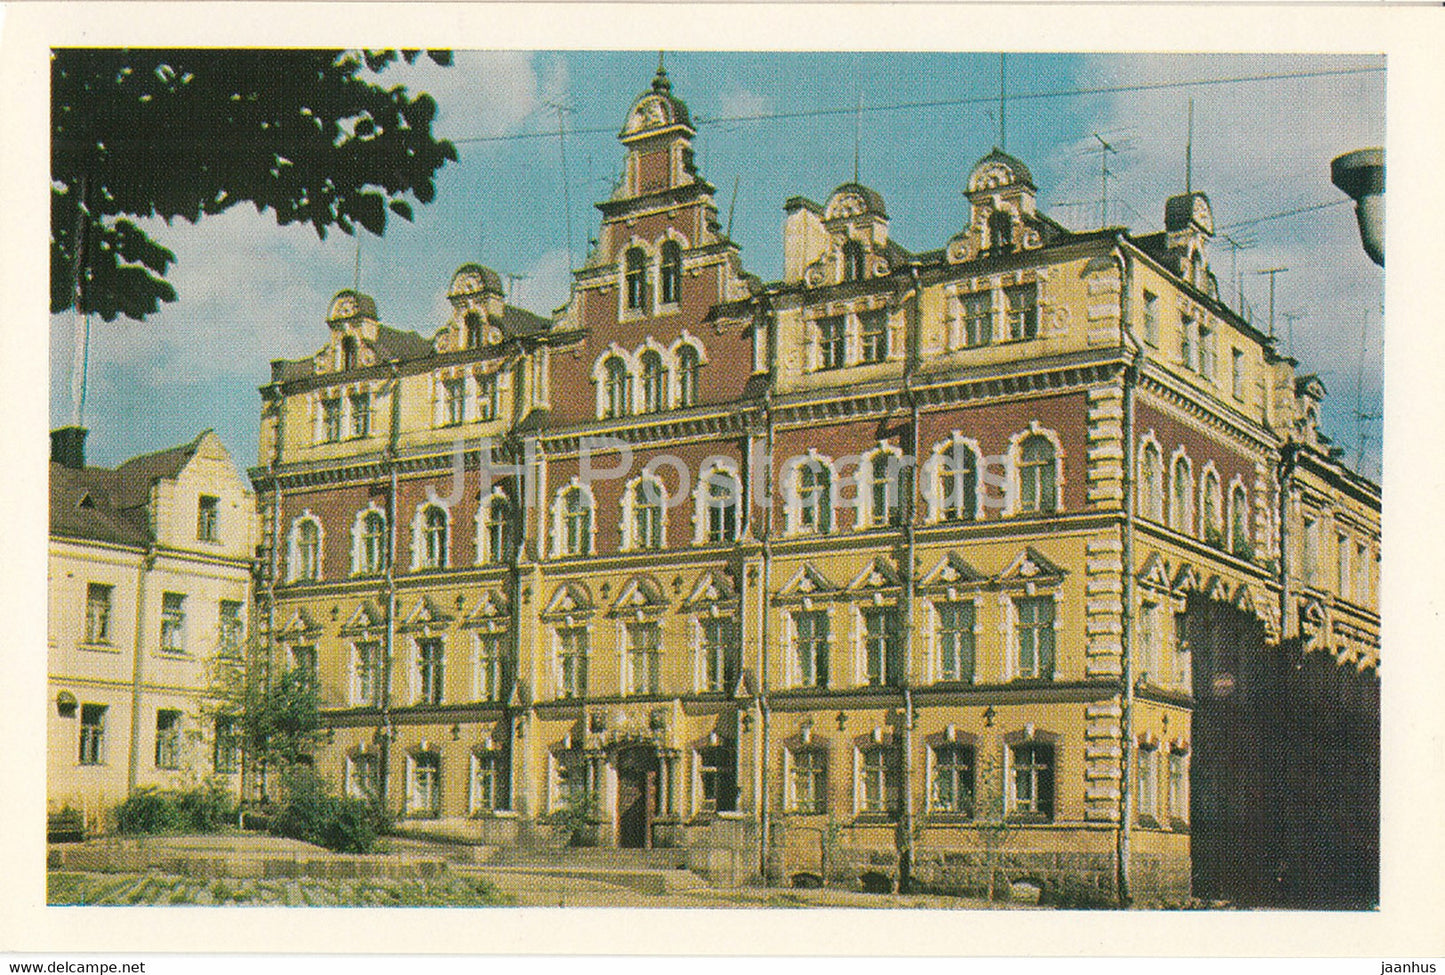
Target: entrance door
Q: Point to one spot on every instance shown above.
(636, 796)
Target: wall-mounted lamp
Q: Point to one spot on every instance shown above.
(1361, 175)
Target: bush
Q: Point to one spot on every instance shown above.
(207, 809)
(311, 815)
(149, 811)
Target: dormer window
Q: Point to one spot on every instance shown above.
(473, 322)
(348, 353)
(671, 283)
(852, 261)
(1000, 231)
(636, 279)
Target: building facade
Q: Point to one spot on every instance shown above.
(891, 570)
(150, 589)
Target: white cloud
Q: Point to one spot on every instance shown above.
(744, 103)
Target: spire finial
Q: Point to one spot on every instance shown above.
(660, 82)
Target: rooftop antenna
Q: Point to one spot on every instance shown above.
(1189, 153)
(734, 204)
(1235, 246)
(1289, 320)
(857, 129)
(562, 112)
(1002, 102)
(356, 271)
(512, 280)
(1362, 418)
(1104, 178)
(1272, 272)
(80, 369)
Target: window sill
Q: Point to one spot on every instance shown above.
(875, 818)
(1028, 819)
(943, 817)
(174, 654)
(493, 814)
(104, 647)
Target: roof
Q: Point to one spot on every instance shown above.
(519, 321)
(1021, 172)
(872, 199)
(392, 343)
(472, 277)
(106, 505)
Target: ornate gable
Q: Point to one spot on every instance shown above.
(425, 617)
(570, 599)
(952, 571)
(881, 574)
(807, 582)
(711, 589)
(641, 596)
(367, 618)
(301, 626)
(491, 609)
(1155, 574)
(1030, 566)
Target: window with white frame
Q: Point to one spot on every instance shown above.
(955, 481)
(1239, 541)
(363, 776)
(646, 501)
(361, 414)
(812, 507)
(371, 543)
(230, 629)
(331, 419)
(644, 657)
(454, 401)
(718, 644)
(654, 382)
(883, 645)
(717, 777)
(1037, 475)
(487, 398)
(1236, 373)
(951, 782)
(97, 612)
(496, 514)
(670, 276)
(1181, 501)
(1150, 642)
(572, 645)
(424, 784)
(367, 668)
(721, 497)
(977, 308)
(689, 374)
(1031, 780)
(430, 659)
(1151, 482)
(474, 335)
(808, 780)
(568, 778)
(636, 279)
(873, 327)
(489, 782)
(852, 260)
(617, 388)
(173, 623)
(492, 679)
(885, 507)
(955, 640)
(1021, 302)
(1179, 785)
(1186, 340)
(92, 734)
(305, 562)
(432, 528)
(1034, 636)
(879, 779)
(208, 518)
(226, 745)
(1151, 318)
(1146, 778)
(810, 647)
(1208, 354)
(1212, 522)
(168, 739)
(832, 342)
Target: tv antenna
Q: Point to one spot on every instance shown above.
(1289, 318)
(1002, 102)
(1362, 419)
(734, 204)
(512, 280)
(1104, 150)
(563, 111)
(1189, 153)
(1272, 272)
(1235, 246)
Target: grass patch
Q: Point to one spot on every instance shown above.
(147, 889)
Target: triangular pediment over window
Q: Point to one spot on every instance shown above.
(641, 595)
(570, 599)
(881, 574)
(368, 617)
(1030, 566)
(426, 616)
(491, 607)
(1244, 600)
(952, 571)
(1155, 574)
(711, 589)
(807, 581)
(1217, 590)
(301, 626)
(1186, 579)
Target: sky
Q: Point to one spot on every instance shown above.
(520, 200)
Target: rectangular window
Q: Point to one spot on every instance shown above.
(303, 661)
(832, 342)
(429, 670)
(1035, 636)
(489, 783)
(809, 781)
(1309, 550)
(955, 641)
(1206, 351)
(572, 661)
(1236, 372)
(1023, 310)
(208, 517)
(227, 745)
(717, 774)
(1148, 665)
(644, 657)
(1146, 774)
(1151, 318)
(368, 674)
(1186, 341)
(231, 629)
(487, 397)
(331, 419)
(882, 647)
(1342, 565)
(978, 318)
(168, 739)
(1362, 569)
(361, 414)
(1179, 786)
(173, 623)
(492, 678)
(874, 326)
(425, 796)
(812, 648)
(1031, 780)
(879, 784)
(454, 401)
(97, 613)
(719, 654)
(92, 734)
(951, 788)
(363, 776)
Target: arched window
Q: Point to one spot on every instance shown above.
(1181, 502)
(720, 500)
(433, 538)
(371, 550)
(671, 283)
(852, 261)
(1000, 230)
(473, 322)
(654, 382)
(348, 353)
(1239, 542)
(495, 526)
(815, 494)
(618, 388)
(577, 521)
(1038, 475)
(884, 492)
(1151, 483)
(306, 566)
(647, 514)
(956, 473)
(1212, 522)
(689, 367)
(636, 278)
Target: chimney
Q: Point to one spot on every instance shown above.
(67, 446)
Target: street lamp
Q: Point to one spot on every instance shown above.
(1361, 175)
